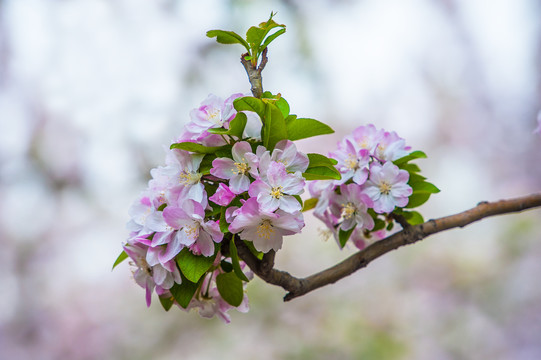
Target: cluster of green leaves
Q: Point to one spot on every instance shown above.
(257, 38)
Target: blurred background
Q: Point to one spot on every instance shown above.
(92, 90)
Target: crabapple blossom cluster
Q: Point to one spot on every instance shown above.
(371, 185)
(231, 189)
(199, 199)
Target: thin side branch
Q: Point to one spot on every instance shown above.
(410, 234)
(254, 72)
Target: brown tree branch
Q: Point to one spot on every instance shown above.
(410, 234)
(254, 72)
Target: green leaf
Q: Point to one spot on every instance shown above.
(183, 293)
(415, 178)
(290, 118)
(414, 155)
(123, 256)
(255, 35)
(224, 226)
(282, 104)
(411, 168)
(271, 38)
(193, 266)
(218, 131)
(237, 125)
(228, 37)
(321, 173)
(230, 288)
(274, 127)
(250, 103)
(424, 186)
(309, 204)
(413, 217)
(417, 199)
(317, 160)
(303, 128)
(166, 302)
(378, 224)
(343, 236)
(235, 259)
(194, 147)
(206, 164)
(226, 266)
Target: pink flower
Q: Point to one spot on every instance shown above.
(277, 191)
(284, 152)
(223, 195)
(236, 171)
(367, 137)
(323, 190)
(352, 163)
(265, 229)
(387, 187)
(391, 147)
(213, 113)
(183, 173)
(150, 276)
(192, 229)
(352, 205)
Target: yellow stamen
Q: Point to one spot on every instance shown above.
(385, 188)
(265, 230)
(348, 210)
(189, 178)
(351, 162)
(276, 192)
(192, 231)
(242, 168)
(214, 116)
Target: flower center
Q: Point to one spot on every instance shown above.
(265, 230)
(276, 192)
(385, 187)
(192, 231)
(348, 210)
(242, 168)
(214, 117)
(187, 177)
(363, 143)
(351, 162)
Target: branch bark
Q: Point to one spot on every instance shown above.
(410, 234)
(254, 73)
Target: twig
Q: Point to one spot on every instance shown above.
(297, 287)
(254, 72)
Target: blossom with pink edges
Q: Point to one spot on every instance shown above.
(352, 163)
(236, 170)
(352, 206)
(192, 228)
(387, 187)
(148, 276)
(284, 152)
(265, 229)
(276, 192)
(223, 195)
